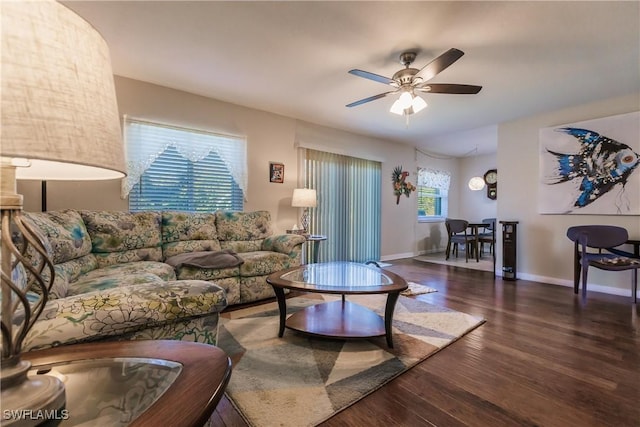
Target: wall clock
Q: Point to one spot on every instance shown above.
(491, 179)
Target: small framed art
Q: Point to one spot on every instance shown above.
(276, 172)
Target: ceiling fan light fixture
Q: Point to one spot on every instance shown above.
(397, 108)
(418, 104)
(406, 100)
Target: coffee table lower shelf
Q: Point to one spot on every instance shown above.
(337, 319)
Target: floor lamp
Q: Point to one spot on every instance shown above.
(59, 121)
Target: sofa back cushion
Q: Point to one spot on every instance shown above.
(66, 233)
(121, 237)
(68, 245)
(243, 231)
(188, 232)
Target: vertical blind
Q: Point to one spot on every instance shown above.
(172, 168)
(349, 205)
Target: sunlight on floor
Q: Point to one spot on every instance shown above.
(485, 263)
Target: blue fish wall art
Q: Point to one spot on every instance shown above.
(598, 166)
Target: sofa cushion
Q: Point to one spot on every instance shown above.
(123, 237)
(66, 234)
(259, 263)
(90, 284)
(118, 275)
(186, 272)
(243, 226)
(123, 310)
(67, 244)
(188, 232)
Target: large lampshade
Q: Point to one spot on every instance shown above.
(59, 121)
(304, 198)
(59, 106)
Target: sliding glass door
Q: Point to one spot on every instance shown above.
(349, 205)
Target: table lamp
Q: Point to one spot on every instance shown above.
(59, 121)
(304, 198)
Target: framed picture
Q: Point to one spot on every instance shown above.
(276, 172)
(591, 167)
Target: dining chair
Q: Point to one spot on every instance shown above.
(601, 237)
(488, 236)
(457, 234)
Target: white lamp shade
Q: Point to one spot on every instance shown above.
(418, 104)
(405, 100)
(304, 198)
(59, 105)
(397, 108)
(476, 183)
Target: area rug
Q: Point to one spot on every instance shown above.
(417, 289)
(299, 380)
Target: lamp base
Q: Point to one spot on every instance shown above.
(34, 401)
(304, 219)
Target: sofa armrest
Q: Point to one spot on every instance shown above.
(284, 243)
(117, 311)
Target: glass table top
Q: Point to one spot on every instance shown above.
(110, 391)
(338, 276)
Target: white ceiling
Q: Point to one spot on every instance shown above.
(292, 58)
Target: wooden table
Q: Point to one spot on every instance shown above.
(338, 319)
(189, 400)
(475, 230)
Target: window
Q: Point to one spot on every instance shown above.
(433, 192)
(171, 168)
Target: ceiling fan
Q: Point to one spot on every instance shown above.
(408, 81)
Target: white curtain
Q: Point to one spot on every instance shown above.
(433, 178)
(145, 141)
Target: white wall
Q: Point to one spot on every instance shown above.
(431, 237)
(544, 251)
(475, 205)
(270, 137)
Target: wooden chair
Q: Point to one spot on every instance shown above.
(601, 237)
(457, 234)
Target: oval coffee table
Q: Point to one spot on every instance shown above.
(338, 319)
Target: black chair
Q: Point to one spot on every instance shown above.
(601, 237)
(488, 236)
(457, 235)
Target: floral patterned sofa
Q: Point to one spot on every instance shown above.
(112, 281)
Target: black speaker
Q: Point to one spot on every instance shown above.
(509, 249)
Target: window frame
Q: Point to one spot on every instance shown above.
(441, 196)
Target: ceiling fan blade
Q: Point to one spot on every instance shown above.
(372, 76)
(439, 64)
(371, 98)
(449, 88)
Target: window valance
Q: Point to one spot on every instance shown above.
(433, 178)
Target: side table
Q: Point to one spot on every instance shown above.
(314, 241)
(137, 383)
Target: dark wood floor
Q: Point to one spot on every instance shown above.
(543, 358)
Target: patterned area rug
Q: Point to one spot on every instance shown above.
(300, 380)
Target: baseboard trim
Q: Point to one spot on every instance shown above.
(594, 287)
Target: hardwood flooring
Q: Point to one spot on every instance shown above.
(544, 357)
